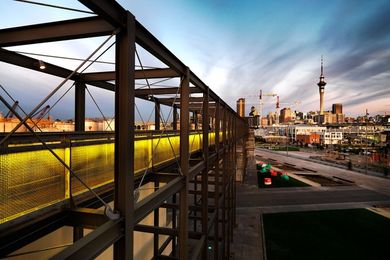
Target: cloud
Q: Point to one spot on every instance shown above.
(238, 49)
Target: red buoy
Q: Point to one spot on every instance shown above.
(267, 181)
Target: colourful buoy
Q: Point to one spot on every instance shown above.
(267, 181)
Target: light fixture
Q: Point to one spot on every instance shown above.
(41, 64)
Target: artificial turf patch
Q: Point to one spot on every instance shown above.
(279, 182)
(330, 234)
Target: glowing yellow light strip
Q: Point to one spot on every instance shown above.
(90, 153)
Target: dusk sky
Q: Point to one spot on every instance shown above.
(238, 48)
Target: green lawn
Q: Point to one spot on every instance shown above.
(331, 234)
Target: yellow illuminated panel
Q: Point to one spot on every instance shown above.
(165, 149)
(94, 164)
(142, 154)
(194, 142)
(29, 181)
(212, 138)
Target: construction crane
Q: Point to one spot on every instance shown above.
(386, 112)
(10, 114)
(277, 110)
(295, 103)
(261, 95)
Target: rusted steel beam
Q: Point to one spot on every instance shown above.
(157, 49)
(55, 31)
(139, 74)
(162, 91)
(109, 10)
(14, 58)
(192, 100)
(147, 205)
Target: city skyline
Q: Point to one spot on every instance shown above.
(240, 48)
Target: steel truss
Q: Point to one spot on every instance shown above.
(200, 229)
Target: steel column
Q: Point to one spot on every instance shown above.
(217, 181)
(174, 225)
(228, 177)
(234, 169)
(184, 166)
(156, 223)
(78, 232)
(174, 121)
(157, 108)
(224, 181)
(205, 184)
(79, 107)
(124, 136)
(195, 114)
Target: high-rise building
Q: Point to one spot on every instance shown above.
(285, 115)
(241, 107)
(321, 84)
(271, 118)
(337, 108)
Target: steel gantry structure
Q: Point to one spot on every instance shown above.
(196, 188)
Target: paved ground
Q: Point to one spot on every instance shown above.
(247, 240)
(304, 196)
(377, 184)
(367, 191)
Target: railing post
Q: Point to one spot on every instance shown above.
(124, 136)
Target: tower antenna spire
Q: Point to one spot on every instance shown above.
(321, 84)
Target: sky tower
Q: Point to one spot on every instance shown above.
(321, 86)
